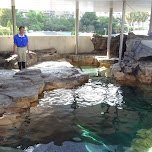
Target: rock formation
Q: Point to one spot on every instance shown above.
(9, 61)
(137, 63)
(47, 55)
(100, 44)
(20, 90)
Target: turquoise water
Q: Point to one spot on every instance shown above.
(101, 115)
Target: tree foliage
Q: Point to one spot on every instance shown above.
(5, 16)
(88, 23)
(91, 23)
(136, 17)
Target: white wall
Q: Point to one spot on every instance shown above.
(63, 44)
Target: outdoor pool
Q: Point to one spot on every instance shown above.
(99, 116)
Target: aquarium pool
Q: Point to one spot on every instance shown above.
(100, 116)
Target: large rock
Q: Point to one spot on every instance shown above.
(10, 62)
(20, 90)
(115, 68)
(61, 75)
(120, 76)
(131, 35)
(82, 59)
(47, 55)
(137, 63)
(100, 44)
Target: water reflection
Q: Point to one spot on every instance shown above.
(88, 95)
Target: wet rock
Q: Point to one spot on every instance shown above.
(115, 68)
(83, 59)
(9, 119)
(144, 73)
(76, 139)
(127, 69)
(5, 102)
(19, 91)
(120, 76)
(130, 77)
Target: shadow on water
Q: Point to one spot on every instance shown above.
(101, 115)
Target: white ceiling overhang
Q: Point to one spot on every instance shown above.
(85, 5)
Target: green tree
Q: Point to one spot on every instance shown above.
(19, 19)
(138, 18)
(35, 21)
(61, 23)
(31, 20)
(5, 16)
(103, 22)
(9, 27)
(144, 18)
(133, 17)
(102, 25)
(88, 22)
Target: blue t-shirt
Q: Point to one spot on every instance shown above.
(20, 41)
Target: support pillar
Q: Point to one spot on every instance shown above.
(122, 30)
(109, 33)
(150, 26)
(13, 16)
(76, 26)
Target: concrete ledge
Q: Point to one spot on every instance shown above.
(63, 44)
(90, 59)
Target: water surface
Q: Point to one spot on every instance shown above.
(101, 115)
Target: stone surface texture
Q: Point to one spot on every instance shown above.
(8, 60)
(100, 44)
(19, 90)
(137, 62)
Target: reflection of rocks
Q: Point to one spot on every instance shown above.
(18, 92)
(136, 64)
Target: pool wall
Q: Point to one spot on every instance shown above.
(63, 44)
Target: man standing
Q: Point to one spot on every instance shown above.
(21, 41)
